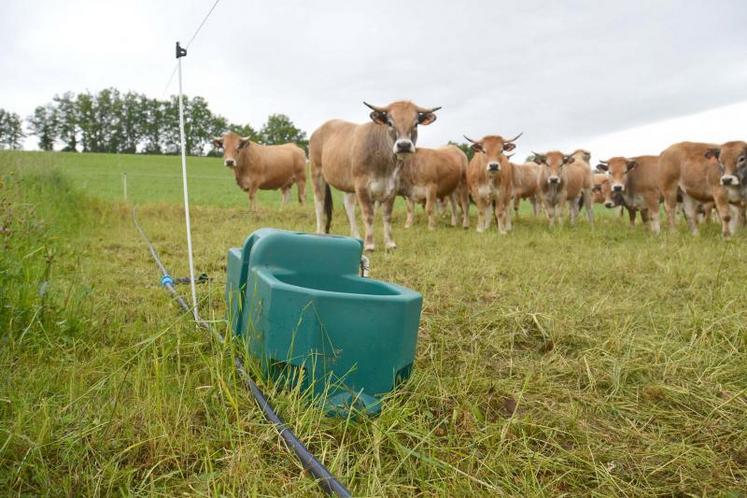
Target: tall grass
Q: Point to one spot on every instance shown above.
(573, 361)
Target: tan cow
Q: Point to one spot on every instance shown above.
(265, 167)
(636, 181)
(599, 186)
(364, 161)
(490, 180)
(435, 174)
(704, 173)
(565, 178)
(526, 186)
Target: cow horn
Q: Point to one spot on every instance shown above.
(513, 139)
(469, 139)
(374, 108)
(421, 109)
(604, 162)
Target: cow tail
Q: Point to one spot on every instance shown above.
(328, 207)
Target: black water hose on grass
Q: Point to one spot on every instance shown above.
(324, 478)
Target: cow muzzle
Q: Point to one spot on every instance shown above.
(404, 147)
(618, 187)
(609, 204)
(494, 167)
(553, 180)
(729, 181)
(230, 163)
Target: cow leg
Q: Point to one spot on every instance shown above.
(516, 202)
(500, 216)
(410, 205)
(480, 214)
(464, 200)
(690, 207)
(725, 213)
(301, 186)
(535, 205)
(388, 239)
(319, 185)
(252, 192)
(348, 201)
(367, 209)
(430, 207)
(487, 215)
(652, 206)
(285, 193)
(589, 205)
(645, 217)
(670, 206)
(572, 210)
(453, 205)
(631, 215)
(735, 216)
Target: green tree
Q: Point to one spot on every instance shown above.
(86, 114)
(153, 125)
(130, 122)
(11, 130)
(465, 147)
(67, 120)
(43, 124)
(279, 129)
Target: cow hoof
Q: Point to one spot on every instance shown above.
(390, 246)
(369, 247)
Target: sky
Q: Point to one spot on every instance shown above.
(616, 78)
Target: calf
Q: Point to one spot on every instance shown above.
(436, 174)
(364, 161)
(266, 167)
(636, 182)
(705, 173)
(526, 185)
(490, 180)
(565, 178)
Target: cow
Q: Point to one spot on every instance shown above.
(434, 174)
(490, 180)
(636, 181)
(266, 167)
(364, 161)
(704, 173)
(598, 189)
(565, 178)
(526, 185)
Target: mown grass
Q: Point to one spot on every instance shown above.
(574, 361)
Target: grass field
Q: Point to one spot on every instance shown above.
(573, 361)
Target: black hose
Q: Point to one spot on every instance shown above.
(324, 478)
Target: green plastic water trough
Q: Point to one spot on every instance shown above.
(310, 319)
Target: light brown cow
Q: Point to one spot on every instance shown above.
(435, 174)
(636, 181)
(364, 161)
(565, 178)
(490, 180)
(526, 186)
(599, 186)
(704, 173)
(265, 167)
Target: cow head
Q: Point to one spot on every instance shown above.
(598, 188)
(581, 155)
(402, 118)
(731, 158)
(617, 168)
(231, 143)
(611, 198)
(553, 162)
(493, 147)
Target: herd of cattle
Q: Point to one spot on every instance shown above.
(375, 162)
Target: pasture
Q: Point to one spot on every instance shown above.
(568, 361)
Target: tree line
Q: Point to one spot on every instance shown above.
(112, 121)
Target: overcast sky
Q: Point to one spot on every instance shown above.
(615, 77)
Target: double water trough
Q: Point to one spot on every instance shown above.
(310, 318)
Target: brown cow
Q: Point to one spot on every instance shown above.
(526, 185)
(565, 178)
(364, 161)
(266, 167)
(435, 174)
(599, 186)
(704, 173)
(490, 180)
(636, 181)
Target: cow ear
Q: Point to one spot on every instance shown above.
(379, 117)
(477, 147)
(508, 146)
(712, 153)
(218, 142)
(243, 142)
(426, 118)
(630, 164)
(538, 159)
(568, 159)
(602, 167)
